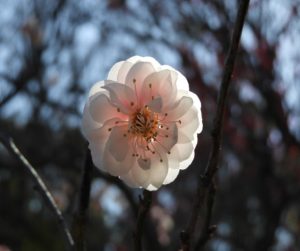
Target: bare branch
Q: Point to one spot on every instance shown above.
(80, 217)
(205, 181)
(42, 189)
(144, 206)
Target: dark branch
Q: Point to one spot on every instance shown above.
(205, 182)
(41, 187)
(144, 206)
(83, 204)
(208, 230)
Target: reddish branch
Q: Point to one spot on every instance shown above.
(206, 184)
(9, 144)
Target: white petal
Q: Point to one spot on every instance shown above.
(144, 163)
(155, 105)
(97, 89)
(140, 176)
(186, 163)
(168, 138)
(123, 71)
(97, 142)
(88, 123)
(102, 110)
(181, 81)
(137, 74)
(159, 166)
(114, 71)
(129, 180)
(97, 151)
(173, 159)
(98, 134)
(121, 96)
(191, 122)
(134, 59)
(159, 84)
(151, 60)
(115, 167)
(183, 138)
(180, 108)
(181, 152)
(171, 176)
(118, 142)
(158, 174)
(151, 188)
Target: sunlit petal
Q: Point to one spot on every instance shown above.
(118, 143)
(142, 123)
(101, 109)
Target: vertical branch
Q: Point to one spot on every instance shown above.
(41, 187)
(144, 206)
(207, 230)
(206, 180)
(83, 204)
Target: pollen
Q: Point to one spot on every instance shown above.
(144, 122)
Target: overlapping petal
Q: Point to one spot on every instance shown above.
(142, 123)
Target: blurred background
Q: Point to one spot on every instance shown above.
(51, 52)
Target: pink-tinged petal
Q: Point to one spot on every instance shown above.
(137, 74)
(101, 109)
(179, 109)
(168, 136)
(135, 84)
(118, 142)
(103, 132)
(97, 142)
(171, 176)
(114, 71)
(155, 105)
(121, 96)
(159, 84)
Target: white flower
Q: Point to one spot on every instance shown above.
(142, 123)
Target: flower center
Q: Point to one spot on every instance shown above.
(144, 123)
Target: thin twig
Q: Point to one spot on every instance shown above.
(80, 219)
(144, 206)
(212, 166)
(151, 238)
(41, 187)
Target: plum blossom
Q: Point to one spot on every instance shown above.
(142, 123)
